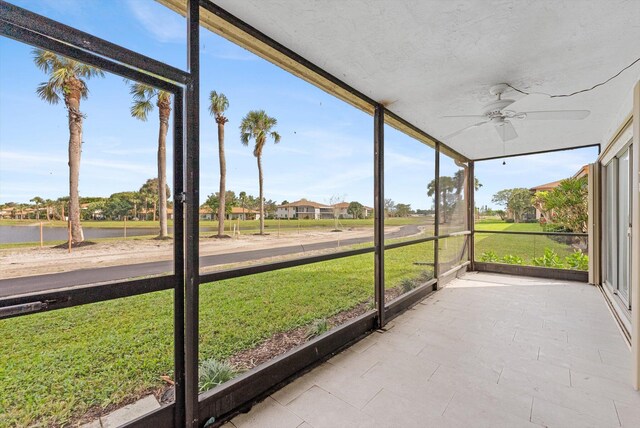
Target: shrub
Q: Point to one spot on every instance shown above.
(425, 275)
(489, 257)
(554, 227)
(577, 261)
(407, 285)
(213, 373)
(317, 328)
(509, 220)
(512, 260)
(550, 259)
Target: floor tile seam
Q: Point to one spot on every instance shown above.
(296, 397)
(578, 410)
(615, 406)
(373, 398)
(328, 392)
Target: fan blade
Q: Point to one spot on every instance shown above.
(554, 114)
(506, 131)
(464, 129)
(465, 115)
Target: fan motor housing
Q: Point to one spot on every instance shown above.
(494, 108)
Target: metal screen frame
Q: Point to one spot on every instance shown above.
(190, 408)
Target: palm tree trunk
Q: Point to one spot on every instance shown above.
(444, 206)
(223, 180)
(261, 195)
(75, 150)
(162, 169)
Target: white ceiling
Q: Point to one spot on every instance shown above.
(429, 58)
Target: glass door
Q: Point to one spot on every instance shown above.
(610, 250)
(624, 223)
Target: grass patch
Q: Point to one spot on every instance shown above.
(516, 249)
(317, 328)
(57, 365)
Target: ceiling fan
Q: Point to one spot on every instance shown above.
(496, 113)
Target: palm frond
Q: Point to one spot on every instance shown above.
(84, 92)
(275, 136)
(87, 71)
(257, 125)
(245, 137)
(218, 103)
(47, 92)
(142, 92)
(47, 60)
(141, 109)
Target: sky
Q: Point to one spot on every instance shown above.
(326, 150)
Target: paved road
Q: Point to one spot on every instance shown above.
(29, 284)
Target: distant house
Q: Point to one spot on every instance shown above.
(343, 208)
(582, 172)
(206, 213)
(304, 209)
(243, 214)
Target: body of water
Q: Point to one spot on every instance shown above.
(16, 234)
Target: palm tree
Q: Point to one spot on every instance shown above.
(143, 96)
(218, 103)
(49, 206)
(447, 186)
(257, 125)
(67, 81)
(38, 201)
(242, 196)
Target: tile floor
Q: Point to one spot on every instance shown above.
(486, 351)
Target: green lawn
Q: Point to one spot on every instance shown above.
(56, 365)
(524, 246)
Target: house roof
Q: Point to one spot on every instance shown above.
(304, 203)
(547, 186)
(341, 205)
(582, 172)
(346, 205)
(241, 210)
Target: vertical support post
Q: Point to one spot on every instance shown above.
(192, 265)
(178, 258)
(471, 222)
(436, 215)
(378, 203)
(594, 211)
(634, 264)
